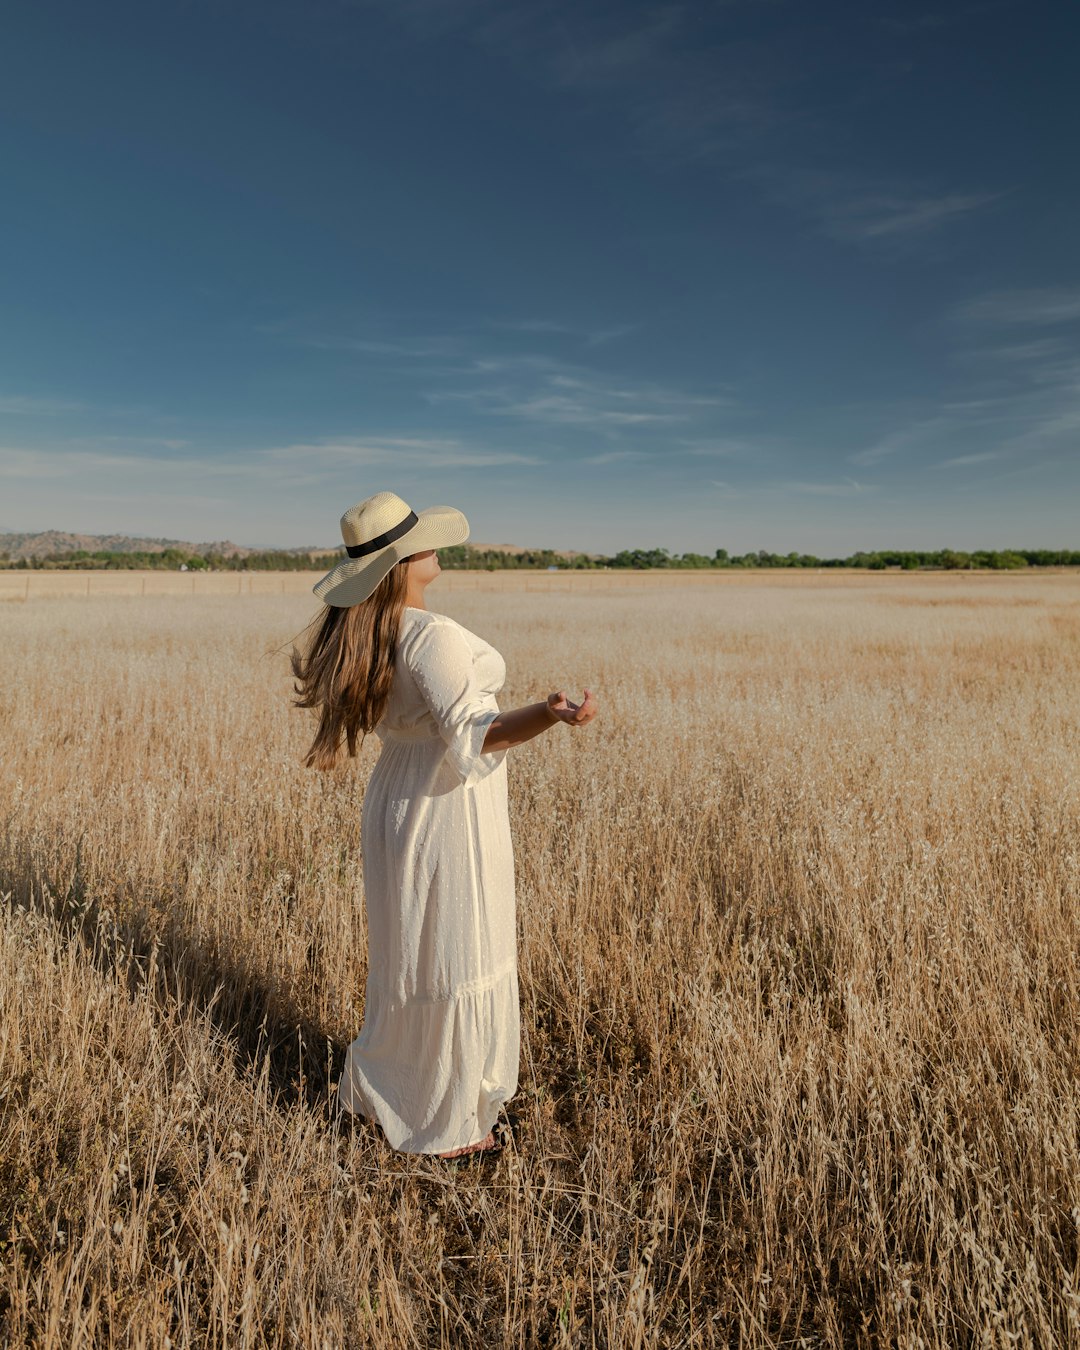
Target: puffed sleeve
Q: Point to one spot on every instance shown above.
(441, 663)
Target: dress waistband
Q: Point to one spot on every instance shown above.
(420, 733)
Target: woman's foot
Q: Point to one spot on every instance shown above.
(481, 1146)
(494, 1142)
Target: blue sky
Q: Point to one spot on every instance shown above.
(745, 275)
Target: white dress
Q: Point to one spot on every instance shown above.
(438, 1050)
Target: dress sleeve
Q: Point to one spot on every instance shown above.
(441, 663)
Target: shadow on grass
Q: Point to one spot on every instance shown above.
(259, 1018)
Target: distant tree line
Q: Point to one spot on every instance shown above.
(908, 560)
(462, 556)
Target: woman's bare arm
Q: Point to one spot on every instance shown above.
(522, 724)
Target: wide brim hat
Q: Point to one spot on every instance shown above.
(379, 532)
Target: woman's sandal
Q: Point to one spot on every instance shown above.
(499, 1135)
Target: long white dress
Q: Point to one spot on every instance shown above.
(438, 1050)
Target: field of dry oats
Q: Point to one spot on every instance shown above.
(798, 921)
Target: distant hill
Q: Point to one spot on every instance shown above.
(45, 542)
(60, 541)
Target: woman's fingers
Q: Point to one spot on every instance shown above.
(585, 710)
(575, 714)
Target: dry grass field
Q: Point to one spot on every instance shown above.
(799, 962)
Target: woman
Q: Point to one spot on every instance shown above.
(437, 1054)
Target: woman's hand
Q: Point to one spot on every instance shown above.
(573, 714)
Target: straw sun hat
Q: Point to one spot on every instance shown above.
(379, 532)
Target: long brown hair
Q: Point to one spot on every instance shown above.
(349, 666)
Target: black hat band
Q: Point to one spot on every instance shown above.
(381, 540)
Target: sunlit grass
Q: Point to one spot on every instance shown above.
(799, 976)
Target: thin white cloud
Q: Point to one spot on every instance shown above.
(1064, 423)
(847, 488)
(420, 347)
(548, 392)
(603, 58)
(417, 349)
(652, 393)
(591, 388)
(295, 465)
(933, 20)
(1046, 306)
(874, 217)
(18, 463)
(510, 364)
(613, 457)
(152, 501)
(530, 325)
(417, 453)
(21, 405)
(725, 447)
(601, 336)
(1017, 353)
(556, 409)
(590, 337)
(907, 441)
(17, 405)
(168, 443)
(413, 348)
(60, 462)
(853, 211)
(964, 461)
